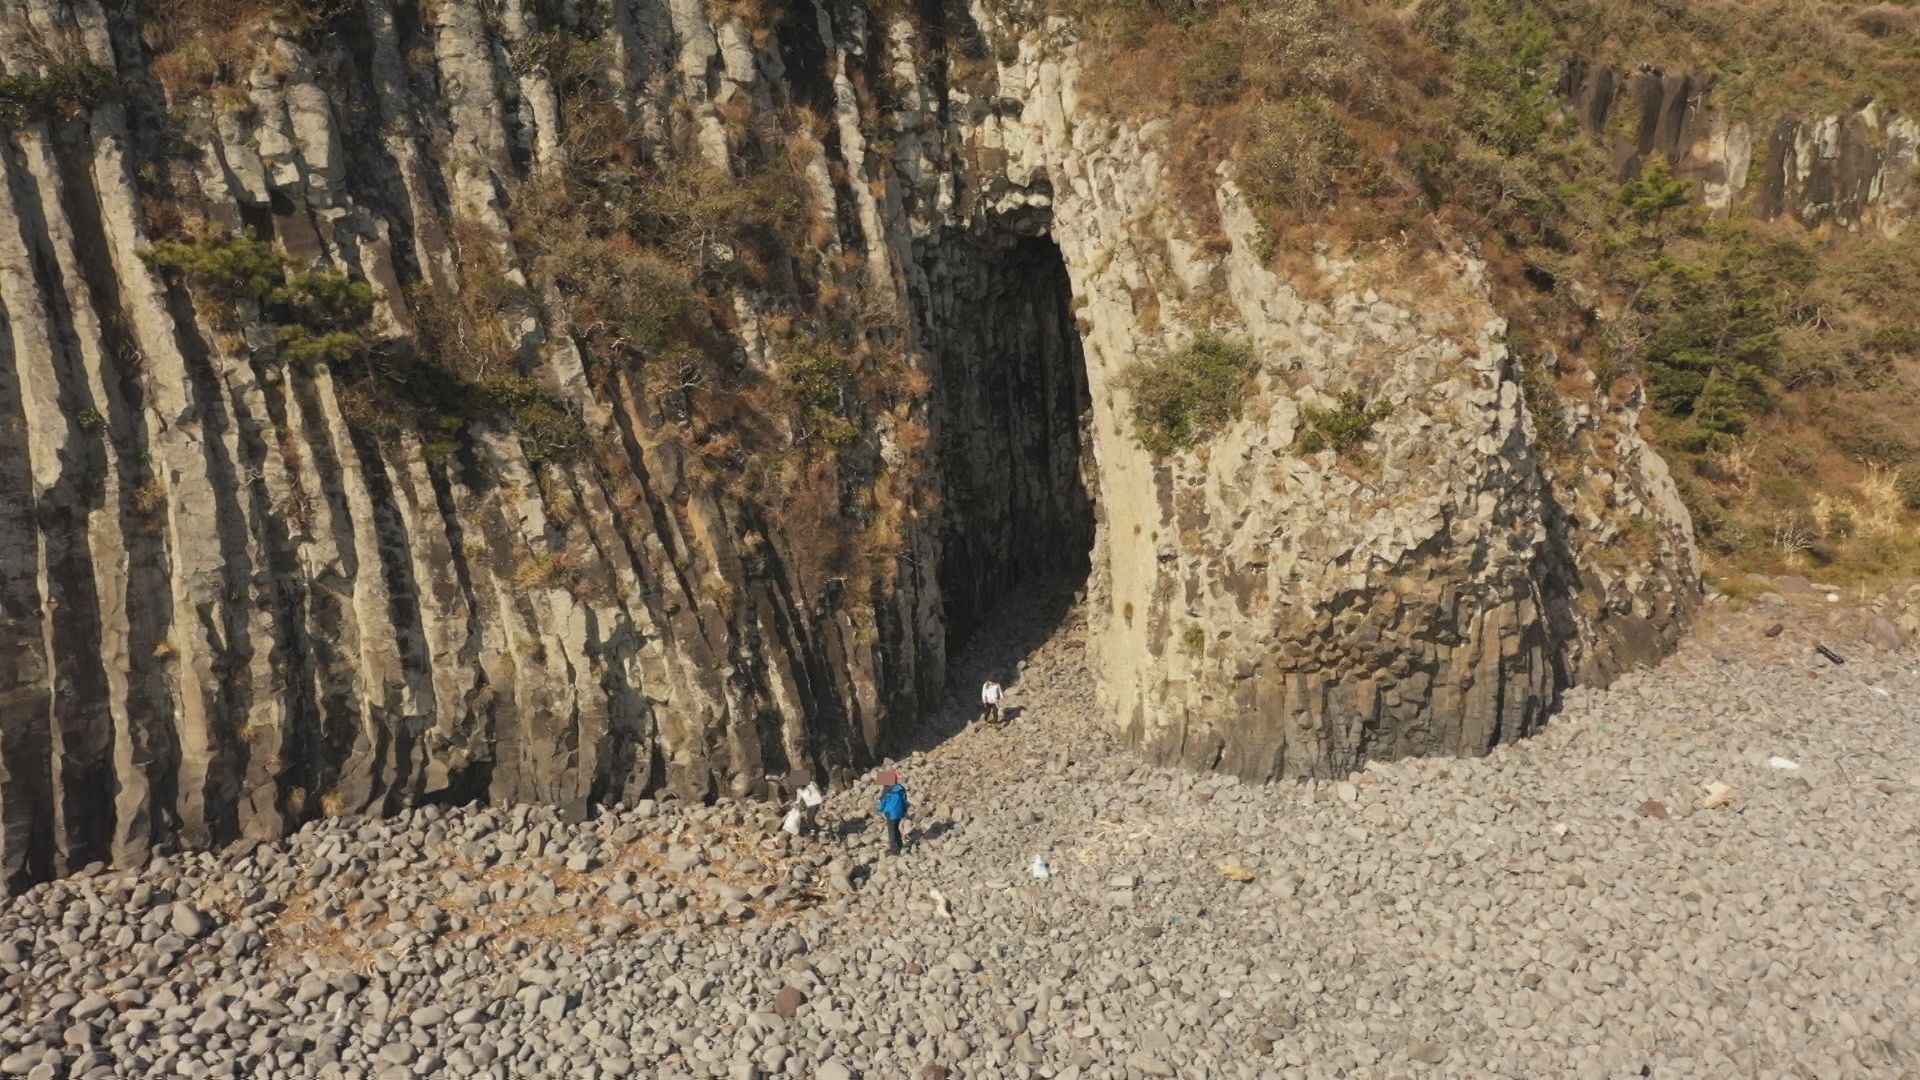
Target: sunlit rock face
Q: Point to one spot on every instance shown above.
(228, 603)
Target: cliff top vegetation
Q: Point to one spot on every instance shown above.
(1780, 363)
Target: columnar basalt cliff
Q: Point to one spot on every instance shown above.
(237, 592)
(1850, 169)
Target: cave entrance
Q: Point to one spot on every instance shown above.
(1012, 405)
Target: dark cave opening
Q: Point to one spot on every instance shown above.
(1011, 404)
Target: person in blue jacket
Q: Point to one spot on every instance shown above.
(893, 807)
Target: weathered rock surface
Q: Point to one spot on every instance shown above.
(225, 610)
(1896, 616)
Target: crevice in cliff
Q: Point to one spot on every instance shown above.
(82, 729)
(26, 695)
(218, 612)
(1010, 401)
(804, 57)
(470, 781)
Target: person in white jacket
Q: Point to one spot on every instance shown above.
(990, 702)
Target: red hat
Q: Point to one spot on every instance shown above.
(888, 778)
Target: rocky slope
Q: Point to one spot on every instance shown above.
(1579, 904)
(230, 601)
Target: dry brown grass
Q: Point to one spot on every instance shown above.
(199, 45)
(150, 497)
(297, 931)
(810, 521)
(298, 509)
(911, 436)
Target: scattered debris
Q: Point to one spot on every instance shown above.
(1783, 763)
(1775, 629)
(1235, 872)
(940, 903)
(1830, 654)
(1718, 795)
(1654, 809)
(1881, 692)
(1040, 869)
(1559, 830)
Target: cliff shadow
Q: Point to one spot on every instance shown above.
(1010, 411)
(1010, 406)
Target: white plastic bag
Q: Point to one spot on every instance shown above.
(1040, 869)
(791, 826)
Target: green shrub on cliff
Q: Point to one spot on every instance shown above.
(1342, 428)
(318, 314)
(1505, 69)
(234, 264)
(816, 374)
(1182, 397)
(65, 88)
(1655, 191)
(1714, 315)
(460, 366)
